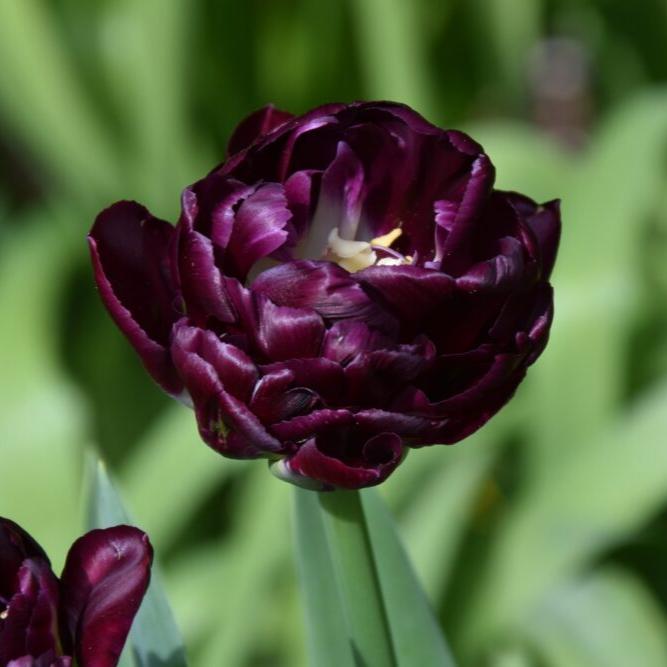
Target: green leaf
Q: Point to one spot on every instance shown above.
(593, 500)
(603, 619)
(417, 636)
(362, 596)
(154, 638)
(326, 631)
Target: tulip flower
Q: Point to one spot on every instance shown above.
(345, 286)
(84, 617)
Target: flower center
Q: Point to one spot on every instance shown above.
(357, 255)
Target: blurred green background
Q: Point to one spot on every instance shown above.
(542, 540)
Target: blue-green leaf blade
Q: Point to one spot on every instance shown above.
(415, 631)
(327, 636)
(155, 639)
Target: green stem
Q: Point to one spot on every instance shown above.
(357, 577)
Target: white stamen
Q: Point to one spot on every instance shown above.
(358, 255)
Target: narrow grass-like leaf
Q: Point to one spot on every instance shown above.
(603, 619)
(154, 638)
(416, 635)
(357, 577)
(329, 643)
(595, 499)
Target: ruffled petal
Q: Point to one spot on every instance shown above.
(371, 463)
(16, 545)
(259, 229)
(104, 580)
(199, 356)
(326, 288)
(30, 625)
(131, 254)
(255, 126)
(286, 333)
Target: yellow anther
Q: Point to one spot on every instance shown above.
(4, 614)
(387, 239)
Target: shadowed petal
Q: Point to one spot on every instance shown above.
(15, 546)
(130, 250)
(204, 288)
(199, 356)
(413, 293)
(325, 287)
(286, 333)
(105, 578)
(258, 230)
(544, 221)
(371, 464)
(30, 626)
(45, 660)
(255, 126)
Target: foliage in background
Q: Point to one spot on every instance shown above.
(540, 540)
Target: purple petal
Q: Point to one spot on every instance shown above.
(47, 659)
(544, 221)
(198, 356)
(301, 191)
(318, 421)
(347, 339)
(105, 578)
(504, 272)
(316, 374)
(373, 462)
(458, 211)
(31, 622)
(130, 251)
(274, 400)
(325, 287)
(287, 333)
(204, 287)
(411, 292)
(340, 201)
(259, 229)
(15, 546)
(255, 126)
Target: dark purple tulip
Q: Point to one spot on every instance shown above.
(345, 285)
(86, 615)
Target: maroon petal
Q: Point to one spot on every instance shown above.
(455, 214)
(340, 200)
(47, 659)
(287, 333)
(318, 421)
(130, 251)
(16, 545)
(259, 229)
(255, 126)
(201, 359)
(30, 620)
(501, 273)
(105, 578)
(373, 462)
(317, 374)
(411, 292)
(325, 287)
(544, 221)
(204, 287)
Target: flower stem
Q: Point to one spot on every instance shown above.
(357, 578)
